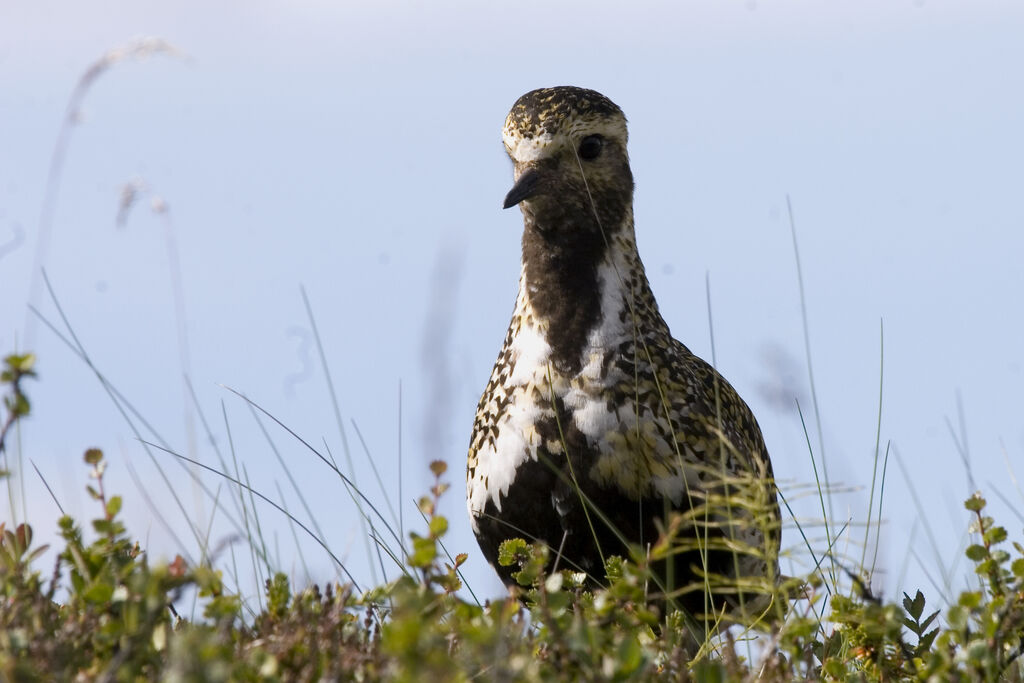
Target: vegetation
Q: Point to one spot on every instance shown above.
(107, 612)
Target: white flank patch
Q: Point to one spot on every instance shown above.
(517, 438)
(590, 412)
(530, 353)
(513, 447)
(591, 415)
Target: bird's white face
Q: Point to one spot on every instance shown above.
(524, 147)
(567, 158)
(569, 149)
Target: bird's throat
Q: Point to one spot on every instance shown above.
(560, 269)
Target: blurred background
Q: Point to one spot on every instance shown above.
(183, 172)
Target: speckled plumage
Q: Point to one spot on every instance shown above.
(596, 424)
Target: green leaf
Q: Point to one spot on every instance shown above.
(975, 503)
(510, 550)
(957, 615)
(709, 671)
(22, 364)
(278, 594)
(996, 534)
(614, 568)
(424, 551)
(18, 405)
(970, 599)
(426, 505)
(925, 643)
(914, 607)
(98, 593)
(986, 566)
(24, 535)
(834, 668)
(1018, 567)
(113, 506)
(103, 526)
(927, 622)
(438, 526)
(32, 556)
(976, 553)
(630, 656)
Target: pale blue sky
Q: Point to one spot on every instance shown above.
(354, 149)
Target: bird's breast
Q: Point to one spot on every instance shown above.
(591, 417)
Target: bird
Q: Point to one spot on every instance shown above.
(597, 427)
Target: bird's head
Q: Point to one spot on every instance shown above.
(569, 149)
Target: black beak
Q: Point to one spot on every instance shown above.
(528, 185)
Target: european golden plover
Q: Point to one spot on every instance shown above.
(596, 425)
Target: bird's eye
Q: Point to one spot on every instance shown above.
(591, 146)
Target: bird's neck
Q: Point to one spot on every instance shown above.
(580, 290)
